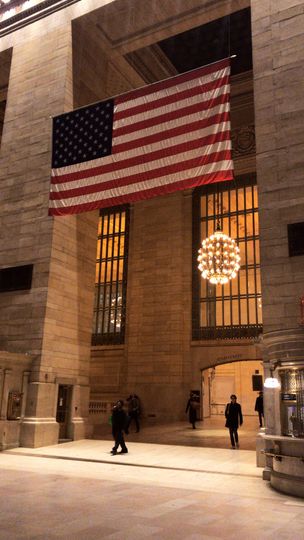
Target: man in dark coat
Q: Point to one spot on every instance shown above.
(259, 407)
(133, 410)
(234, 418)
(119, 425)
(192, 407)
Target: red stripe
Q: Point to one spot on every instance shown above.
(171, 133)
(177, 96)
(173, 115)
(145, 158)
(137, 178)
(173, 81)
(220, 176)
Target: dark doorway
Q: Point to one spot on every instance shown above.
(63, 410)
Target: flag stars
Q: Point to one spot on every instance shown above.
(83, 134)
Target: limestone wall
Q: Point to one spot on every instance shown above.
(278, 54)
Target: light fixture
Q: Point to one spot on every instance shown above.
(116, 311)
(272, 382)
(219, 256)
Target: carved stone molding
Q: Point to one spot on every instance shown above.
(243, 141)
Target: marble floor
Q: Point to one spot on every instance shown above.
(210, 433)
(78, 491)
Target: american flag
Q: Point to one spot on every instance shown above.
(168, 136)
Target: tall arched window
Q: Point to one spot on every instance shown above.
(235, 309)
(111, 276)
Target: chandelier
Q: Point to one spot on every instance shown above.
(115, 317)
(219, 256)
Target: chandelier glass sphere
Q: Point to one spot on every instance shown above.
(219, 258)
(115, 316)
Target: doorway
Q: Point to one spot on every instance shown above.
(219, 382)
(63, 410)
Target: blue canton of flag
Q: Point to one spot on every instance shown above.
(83, 135)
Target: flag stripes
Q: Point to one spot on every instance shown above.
(168, 136)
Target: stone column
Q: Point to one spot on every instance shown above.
(5, 392)
(24, 391)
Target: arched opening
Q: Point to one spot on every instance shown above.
(243, 378)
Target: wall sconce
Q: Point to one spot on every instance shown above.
(272, 382)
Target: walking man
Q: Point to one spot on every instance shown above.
(119, 425)
(234, 418)
(259, 407)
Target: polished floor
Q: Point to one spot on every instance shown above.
(78, 491)
(210, 433)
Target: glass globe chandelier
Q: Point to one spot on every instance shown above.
(219, 256)
(116, 311)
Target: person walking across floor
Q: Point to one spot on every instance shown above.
(119, 426)
(259, 407)
(133, 410)
(234, 419)
(192, 407)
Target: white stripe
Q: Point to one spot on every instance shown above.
(184, 120)
(141, 186)
(178, 87)
(87, 165)
(168, 143)
(161, 112)
(143, 168)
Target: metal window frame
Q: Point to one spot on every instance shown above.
(109, 337)
(229, 331)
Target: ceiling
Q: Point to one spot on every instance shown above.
(230, 35)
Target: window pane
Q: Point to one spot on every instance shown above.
(251, 281)
(104, 249)
(225, 226)
(257, 252)
(203, 314)
(255, 196)
(252, 311)
(249, 198)
(243, 281)
(203, 230)
(244, 316)
(233, 227)
(249, 225)
(233, 201)
(250, 252)
(203, 206)
(256, 224)
(260, 313)
(241, 227)
(227, 316)
(225, 202)
(241, 204)
(211, 205)
(235, 312)
(111, 223)
(242, 247)
(219, 313)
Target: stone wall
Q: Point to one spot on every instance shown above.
(278, 54)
